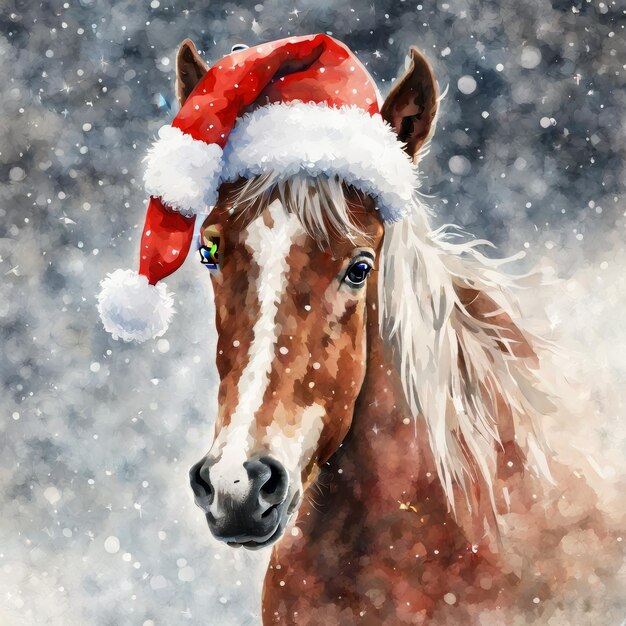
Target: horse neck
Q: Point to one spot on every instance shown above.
(384, 468)
(384, 442)
(386, 447)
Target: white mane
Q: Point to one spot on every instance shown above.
(459, 373)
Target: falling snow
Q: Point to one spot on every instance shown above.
(98, 523)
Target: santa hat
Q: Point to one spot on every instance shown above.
(303, 104)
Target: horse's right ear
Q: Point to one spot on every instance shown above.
(190, 68)
(411, 106)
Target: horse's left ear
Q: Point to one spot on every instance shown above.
(190, 68)
(411, 106)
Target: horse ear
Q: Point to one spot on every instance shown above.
(190, 68)
(411, 106)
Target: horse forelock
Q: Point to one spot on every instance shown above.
(320, 203)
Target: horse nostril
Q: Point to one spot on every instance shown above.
(268, 511)
(201, 482)
(272, 483)
(274, 489)
(269, 480)
(201, 487)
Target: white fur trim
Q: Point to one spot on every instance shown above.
(183, 171)
(133, 310)
(361, 149)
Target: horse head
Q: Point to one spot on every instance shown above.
(290, 318)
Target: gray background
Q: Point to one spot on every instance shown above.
(97, 524)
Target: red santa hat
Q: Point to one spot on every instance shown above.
(303, 104)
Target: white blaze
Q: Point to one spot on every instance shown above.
(270, 248)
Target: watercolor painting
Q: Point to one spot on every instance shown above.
(313, 315)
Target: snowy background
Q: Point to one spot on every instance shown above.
(96, 437)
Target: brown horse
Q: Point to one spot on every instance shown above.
(379, 405)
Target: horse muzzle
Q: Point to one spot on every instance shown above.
(248, 504)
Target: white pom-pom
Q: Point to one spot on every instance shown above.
(132, 309)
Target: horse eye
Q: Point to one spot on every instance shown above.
(357, 273)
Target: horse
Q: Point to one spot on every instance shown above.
(380, 403)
